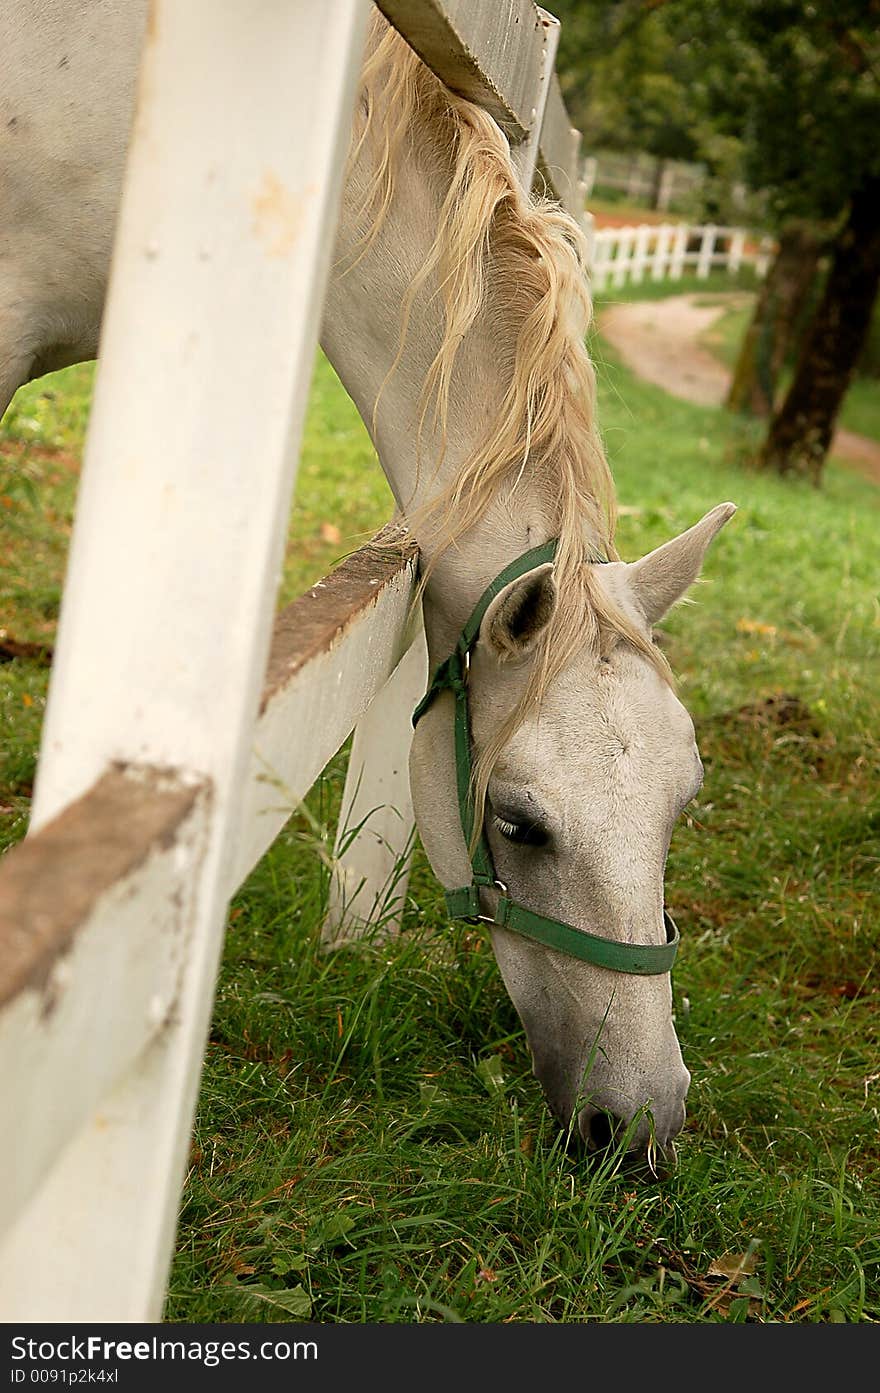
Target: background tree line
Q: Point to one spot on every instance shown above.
(784, 95)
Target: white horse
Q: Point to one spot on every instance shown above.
(455, 317)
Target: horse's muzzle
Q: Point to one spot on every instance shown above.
(649, 1131)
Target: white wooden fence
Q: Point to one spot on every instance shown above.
(627, 255)
(642, 178)
(181, 731)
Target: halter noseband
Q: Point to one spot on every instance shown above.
(646, 959)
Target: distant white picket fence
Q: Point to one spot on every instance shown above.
(643, 178)
(627, 255)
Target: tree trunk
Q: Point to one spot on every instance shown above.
(657, 185)
(771, 331)
(801, 430)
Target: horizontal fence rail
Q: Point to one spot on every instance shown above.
(621, 256)
(333, 650)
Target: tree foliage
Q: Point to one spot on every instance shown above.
(788, 91)
(626, 77)
(782, 93)
(799, 85)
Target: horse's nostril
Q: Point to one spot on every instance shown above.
(602, 1129)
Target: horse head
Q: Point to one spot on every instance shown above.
(578, 807)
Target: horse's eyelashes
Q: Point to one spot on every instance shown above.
(523, 833)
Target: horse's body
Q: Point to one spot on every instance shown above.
(482, 415)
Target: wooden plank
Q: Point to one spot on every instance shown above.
(94, 918)
(332, 653)
(489, 51)
(317, 621)
(376, 831)
(221, 256)
(525, 154)
(559, 153)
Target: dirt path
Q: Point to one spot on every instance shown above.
(660, 341)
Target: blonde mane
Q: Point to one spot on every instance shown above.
(521, 259)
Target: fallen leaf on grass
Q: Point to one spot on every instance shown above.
(739, 1286)
(294, 1300)
(728, 1280)
(732, 1266)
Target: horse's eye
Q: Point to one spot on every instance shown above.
(523, 833)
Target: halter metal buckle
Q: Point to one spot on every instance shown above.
(490, 918)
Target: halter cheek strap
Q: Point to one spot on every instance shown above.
(469, 902)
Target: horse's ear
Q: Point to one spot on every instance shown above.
(519, 613)
(662, 577)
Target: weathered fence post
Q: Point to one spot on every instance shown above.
(525, 153)
(590, 233)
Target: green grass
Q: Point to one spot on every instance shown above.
(370, 1143)
(711, 286)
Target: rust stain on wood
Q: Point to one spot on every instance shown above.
(50, 882)
(314, 623)
(278, 214)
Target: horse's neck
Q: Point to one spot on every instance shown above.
(361, 335)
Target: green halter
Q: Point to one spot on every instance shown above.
(467, 903)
